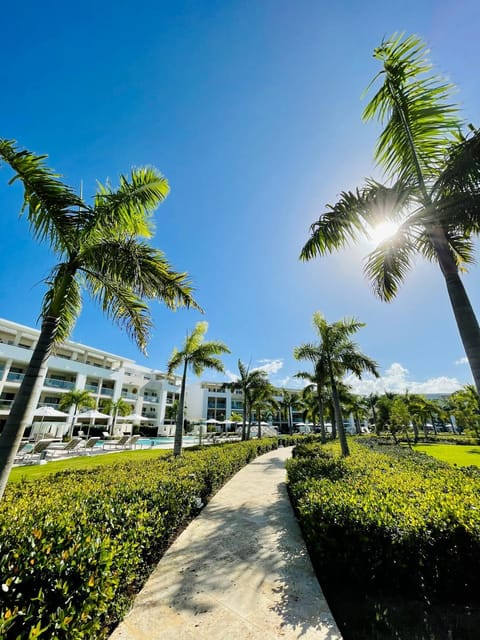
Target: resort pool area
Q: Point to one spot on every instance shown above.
(156, 441)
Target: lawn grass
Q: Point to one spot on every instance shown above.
(36, 471)
(461, 455)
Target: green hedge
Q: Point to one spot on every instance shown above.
(387, 519)
(76, 546)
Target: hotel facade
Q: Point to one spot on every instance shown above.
(106, 376)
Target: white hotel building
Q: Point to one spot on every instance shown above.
(107, 376)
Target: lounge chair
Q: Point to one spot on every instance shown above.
(64, 448)
(120, 443)
(32, 454)
(90, 445)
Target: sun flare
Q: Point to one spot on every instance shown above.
(383, 231)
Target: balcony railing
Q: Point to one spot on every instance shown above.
(91, 387)
(15, 377)
(105, 391)
(59, 384)
(5, 404)
(150, 398)
(127, 394)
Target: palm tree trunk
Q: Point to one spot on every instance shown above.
(26, 399)
(249, 421)
(467, 323)
(339, 418)
(259, 432)
(177, 444)
(244, 425)
(322, 420)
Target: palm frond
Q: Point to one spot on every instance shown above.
(462, 168)
(176, 359)
(54, 210)
(387, 266)
(140, 267)
(123, 306)
(62, 300)
(420, 120)
(355, 214)
(340, 225)
(128, 209)
(209, 362)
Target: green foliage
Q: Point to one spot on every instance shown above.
(389, 518)
(75, 546)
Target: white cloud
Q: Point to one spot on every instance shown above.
(269, 366)
(463, 360)
(397, 380)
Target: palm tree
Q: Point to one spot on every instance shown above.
(318, 380)
(78, 399)
(339, 355)
(115, 408)
(248, 380)
(263, 401)
(432, 189)
(198, 355)
(99, 250)
(288, 403)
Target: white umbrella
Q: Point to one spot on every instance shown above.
(93, 413)
(213, 421)
(134, 417)
(49, 412)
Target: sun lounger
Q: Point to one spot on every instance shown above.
(90, 445)
(64, 448)
(120, 443)
(32, 454)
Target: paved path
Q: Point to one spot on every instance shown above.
(239, 571)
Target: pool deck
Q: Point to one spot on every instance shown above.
(239, 571)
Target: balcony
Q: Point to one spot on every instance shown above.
(15, 377)
(91, 387)
(59, 384)
(5, 404)
(150, 399)
(105, 391)
(127, 394)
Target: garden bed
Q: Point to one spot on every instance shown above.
(395, 539)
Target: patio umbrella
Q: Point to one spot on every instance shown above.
(93, 413)
(134, 417)
(49, 412)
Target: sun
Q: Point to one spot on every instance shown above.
(383, 231)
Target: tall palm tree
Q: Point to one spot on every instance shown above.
(197, 355)
(247, 380)
(432, 190)
(115, 408)
(78, 399)
(288, 403)
(263, 401)
(318, 379)
(339, 355)
(100, 250)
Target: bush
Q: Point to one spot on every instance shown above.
(75, 546)
(389, 520)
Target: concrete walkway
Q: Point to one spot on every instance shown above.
(239, 571)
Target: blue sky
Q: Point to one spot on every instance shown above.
(252, 110)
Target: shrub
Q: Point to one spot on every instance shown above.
(75, 546)
(388, 518)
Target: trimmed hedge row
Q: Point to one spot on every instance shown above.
(76, 546)
(389, 520)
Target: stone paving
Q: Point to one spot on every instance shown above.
(239, 571)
